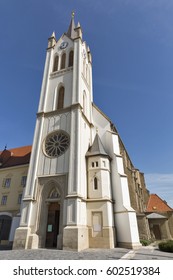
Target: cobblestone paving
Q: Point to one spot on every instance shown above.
(48, 254)
(144, 253)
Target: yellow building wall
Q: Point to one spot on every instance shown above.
(15, 173)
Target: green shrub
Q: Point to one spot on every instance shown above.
(166, 246)
(145, 242)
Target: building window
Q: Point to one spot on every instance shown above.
(7, 182)
(70, 62)
(23, 181)
(4, 200)
(55, 65)
(63, 59)
(95, 184)
(104, 163)
(19, 198)
(95, 164)
(61, 98)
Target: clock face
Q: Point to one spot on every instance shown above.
(56, 143)
(63, 45)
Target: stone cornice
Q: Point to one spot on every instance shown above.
(60, 72)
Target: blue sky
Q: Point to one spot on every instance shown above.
(131, 43)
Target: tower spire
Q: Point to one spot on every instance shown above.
(71, 30)
(74, 32)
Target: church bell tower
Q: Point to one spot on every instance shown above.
(54, 203)
(77, 192)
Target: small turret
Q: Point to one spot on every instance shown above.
(78, 31)
(71, 33)
(99, 185)
(51, 41)
(89, 55)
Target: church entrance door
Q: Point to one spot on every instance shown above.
(157, 233)
(52, 230)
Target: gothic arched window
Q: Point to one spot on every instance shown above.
(55, 65)
(63, 59)
(60, 98)
(95, 183)
(70, 62)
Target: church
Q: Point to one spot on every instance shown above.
(82, 190)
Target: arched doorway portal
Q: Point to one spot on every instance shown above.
(53, 220)
(49, 225)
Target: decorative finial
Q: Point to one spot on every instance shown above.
(97, 130)
(72, 14)
(5, 147)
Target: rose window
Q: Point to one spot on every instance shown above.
(57, 143)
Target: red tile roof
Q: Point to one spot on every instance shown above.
(16, 156)
(156, 204)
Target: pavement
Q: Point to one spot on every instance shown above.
(150, 252)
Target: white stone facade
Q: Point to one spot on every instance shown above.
(79, 197)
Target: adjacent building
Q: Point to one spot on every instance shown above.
(160, 217)
(13, 174)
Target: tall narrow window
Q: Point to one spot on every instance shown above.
(70, 62)
(63, 59)
(55, 65)
(61, 98)
(95, 184)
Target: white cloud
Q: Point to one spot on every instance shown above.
(162, 185)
